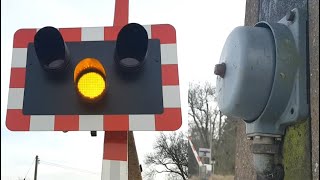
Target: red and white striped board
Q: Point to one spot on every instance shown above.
(115, 156)
(169, 120)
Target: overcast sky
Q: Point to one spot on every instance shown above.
(201, 26)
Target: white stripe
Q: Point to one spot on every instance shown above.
(171, 96)
(15, 99)
(123, 170)
(169, 54)
(142, 122)
(114, 170)
(92, 34)
(42, 123)
(148, 29)
(19, 57)
(105, 173)
(90, 122)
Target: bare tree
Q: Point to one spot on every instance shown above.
(203, 116)
(209, 128)
(224, 148)
(169, 156)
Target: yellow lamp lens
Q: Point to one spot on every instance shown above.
(90, 79)
(91, 85)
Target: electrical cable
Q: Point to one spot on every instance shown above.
(67, 167)
(29, 168)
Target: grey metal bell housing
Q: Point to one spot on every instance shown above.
(249, 57)
(262, 75)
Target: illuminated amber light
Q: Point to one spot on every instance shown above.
(91, 85)
(90, 79)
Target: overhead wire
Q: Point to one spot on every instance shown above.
(67, 167)
(29, 168)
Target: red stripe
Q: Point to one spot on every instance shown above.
(71, 34)
(199, 160)
(170, 75)
(116, 122)
(115, 145)
(192, 146)
(66, 123)
(169, 120)
(17, 77)
(165, 32)
(23, 37)
(193, 149)
(111, 33)
(121, 13)
(17, 121)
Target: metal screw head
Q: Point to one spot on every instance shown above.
(290, 16)
(220, 69)
(93, 133)
(278, 138)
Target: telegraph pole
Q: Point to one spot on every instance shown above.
(36, 167)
